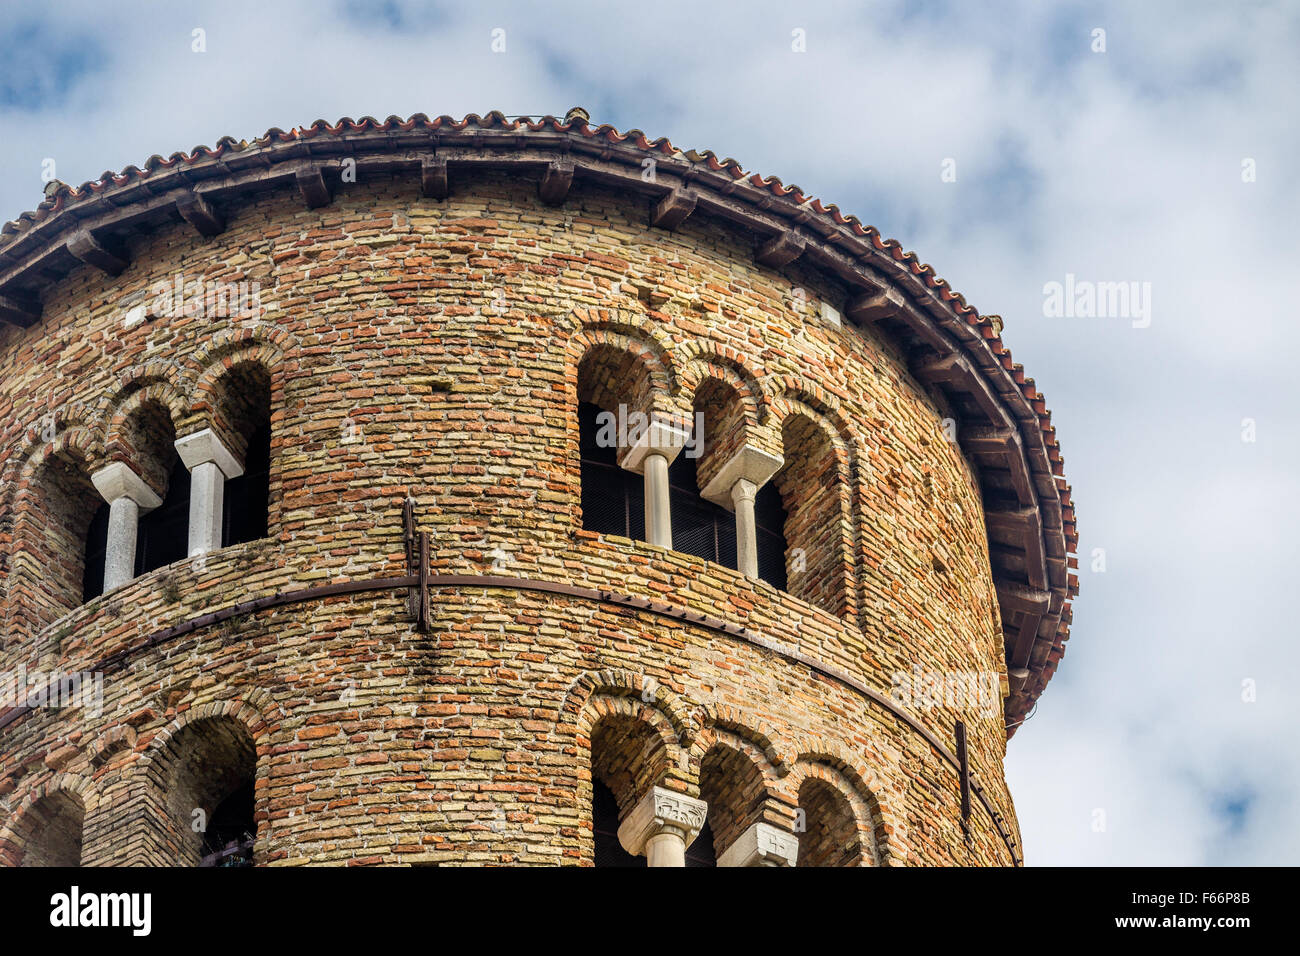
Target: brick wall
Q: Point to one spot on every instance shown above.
(435, 349)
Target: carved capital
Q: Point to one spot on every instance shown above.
(119, 481)
(203, 446)
(762, 845)
(662, 811)
(748, 464)
(661, 437)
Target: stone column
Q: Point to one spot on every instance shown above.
(128, 497)
(661, 826)
(210, 464)
(734, 487)
(650, 456)
(762, 845)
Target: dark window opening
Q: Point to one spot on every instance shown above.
(92, 577)
(228, 840)
(613, 499)
(700, 852)
(700, 527)
(769, 517)
(164, 533)
(604, 819)
(247, 498)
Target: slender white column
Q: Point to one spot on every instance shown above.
(658, 513)
(210, 464)
(742, 500)
(128, 497)
(661, 826)
(762, 845)
(650, 456)
(734, 487)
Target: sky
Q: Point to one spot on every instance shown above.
(1011, 145)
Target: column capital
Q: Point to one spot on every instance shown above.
(751, 464)
(662, 436)
(762, 845)
(658, 811)
(203, 446)
(118, 480)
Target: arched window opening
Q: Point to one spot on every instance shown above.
(815, 529)
(147, 443)
(627, 759)
(231, 832)
(613, 499)
(209, 817)
(243, 397)
(248, 496)
(614, 380)
(163, 534)
(604, 817)
(50, 831)
(830, 835)
(700, 527)
(56, 556)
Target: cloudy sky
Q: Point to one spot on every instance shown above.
(1165, 153)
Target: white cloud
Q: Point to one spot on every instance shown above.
(1115, 166)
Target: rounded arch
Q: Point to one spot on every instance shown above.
(226, 359)
(738, 784)
(51, 505)
(821, 527)
(702, 359)
(718, 721)
(611, 370)
(590, 686)
(47, 827)
(191, 770)
(263, 342)
(627, 329)
(860, 786)
(141, 430)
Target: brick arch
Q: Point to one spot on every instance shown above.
(862, 785)
(702, 359)
(722, 719)
(267, 343)
(50, 502)
(739, 784)
(574, 717)
(651, 734)
(822, 520)
(210, 364)
(139, 397)
(655, 385)
(623, 325)
(210, 405)
(14, 842)
(73, 436)
(165, 756)
(163, 380)
(253, 710)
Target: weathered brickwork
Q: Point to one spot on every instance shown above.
(438, 349)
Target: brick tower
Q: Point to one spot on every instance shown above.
(445, 492)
